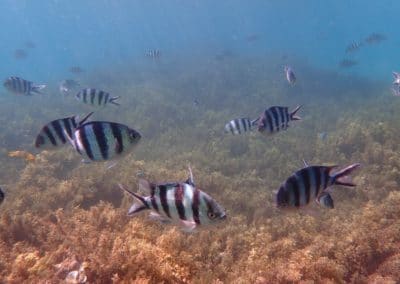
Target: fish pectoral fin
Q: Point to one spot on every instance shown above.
(188, 226)
(157, 217)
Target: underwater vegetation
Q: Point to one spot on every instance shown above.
(61, 216)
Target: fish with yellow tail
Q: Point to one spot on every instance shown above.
(180, 202)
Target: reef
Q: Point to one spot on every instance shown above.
(61, 216)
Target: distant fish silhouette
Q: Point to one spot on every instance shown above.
(290, 77)
(375, 38)
(29, 44)
(396, 78)
(76, 70)
(347, 63)
(354, 46)
(20, 54)
(153, 53)
(252, 37)
(68, 84)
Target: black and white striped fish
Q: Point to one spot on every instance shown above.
(21, 86)
(354, 46)
(103, 140)
(179, 202)
(153, 53)
(309, 182)
(58, 132)
(239, 125)
(276, 118)
(2, 195)
(290, 77)
(96, 97)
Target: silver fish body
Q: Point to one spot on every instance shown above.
(96, 97)
(21, 86)
(290, 77)
(58, 132)
(102, 140)
(276, 118)
(239, 126)
(179, 202)
(308, 183)
(67, 85)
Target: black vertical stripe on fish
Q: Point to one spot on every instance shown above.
(73, 123)
(236, 125)
(306, 181)
(325, 172)
(84, 94)
(106, 98)
(282, 117)
(153, 198)
(118, 136)
(317, 176)
(67, 126)
(92, 95)
(85, 142)
(50, 135)
(287, 117)
(269, 118)
(276, 118)
(195, 206)
(101, 140)
(244, 123)
(163, 199)
(295, 188)
(179, 193)
(58, 129)
(101, 94)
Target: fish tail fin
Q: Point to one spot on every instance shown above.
(342, 177)
(83, 120)
(254, 122)
(293, 115)
(137, 206)
(113, 100)
(38, 88)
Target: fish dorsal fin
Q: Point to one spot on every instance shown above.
(190, 179)
(305, 163)
(84, 119)
(144, 186)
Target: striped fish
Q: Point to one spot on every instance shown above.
(58, 132)
(308, 183)
(325, 200)
(354, 46)
(276, 118)
(21, 86)
(396, 76)
(153, 53)
(290, 77)
(2, 195)
(103, 140)
(96, 97)
(179, 202)
(239, 125)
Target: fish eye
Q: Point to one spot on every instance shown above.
(211, 215)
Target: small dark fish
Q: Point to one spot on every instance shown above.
(347, 63)
(309, 182)
(102, 140)
(2, 195)
(375, 38)
(153, 53)
(21, 86)
(179, 202)
(96, 97)
(290, 77)
(76, 70)
(67, 85)
(20, 54)
(325, 200)
(240, 125)
(354, 46)
(30, 44)
(58, 132)
(196, 102)
(252, 37)
(396, 78)
(276, 118)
